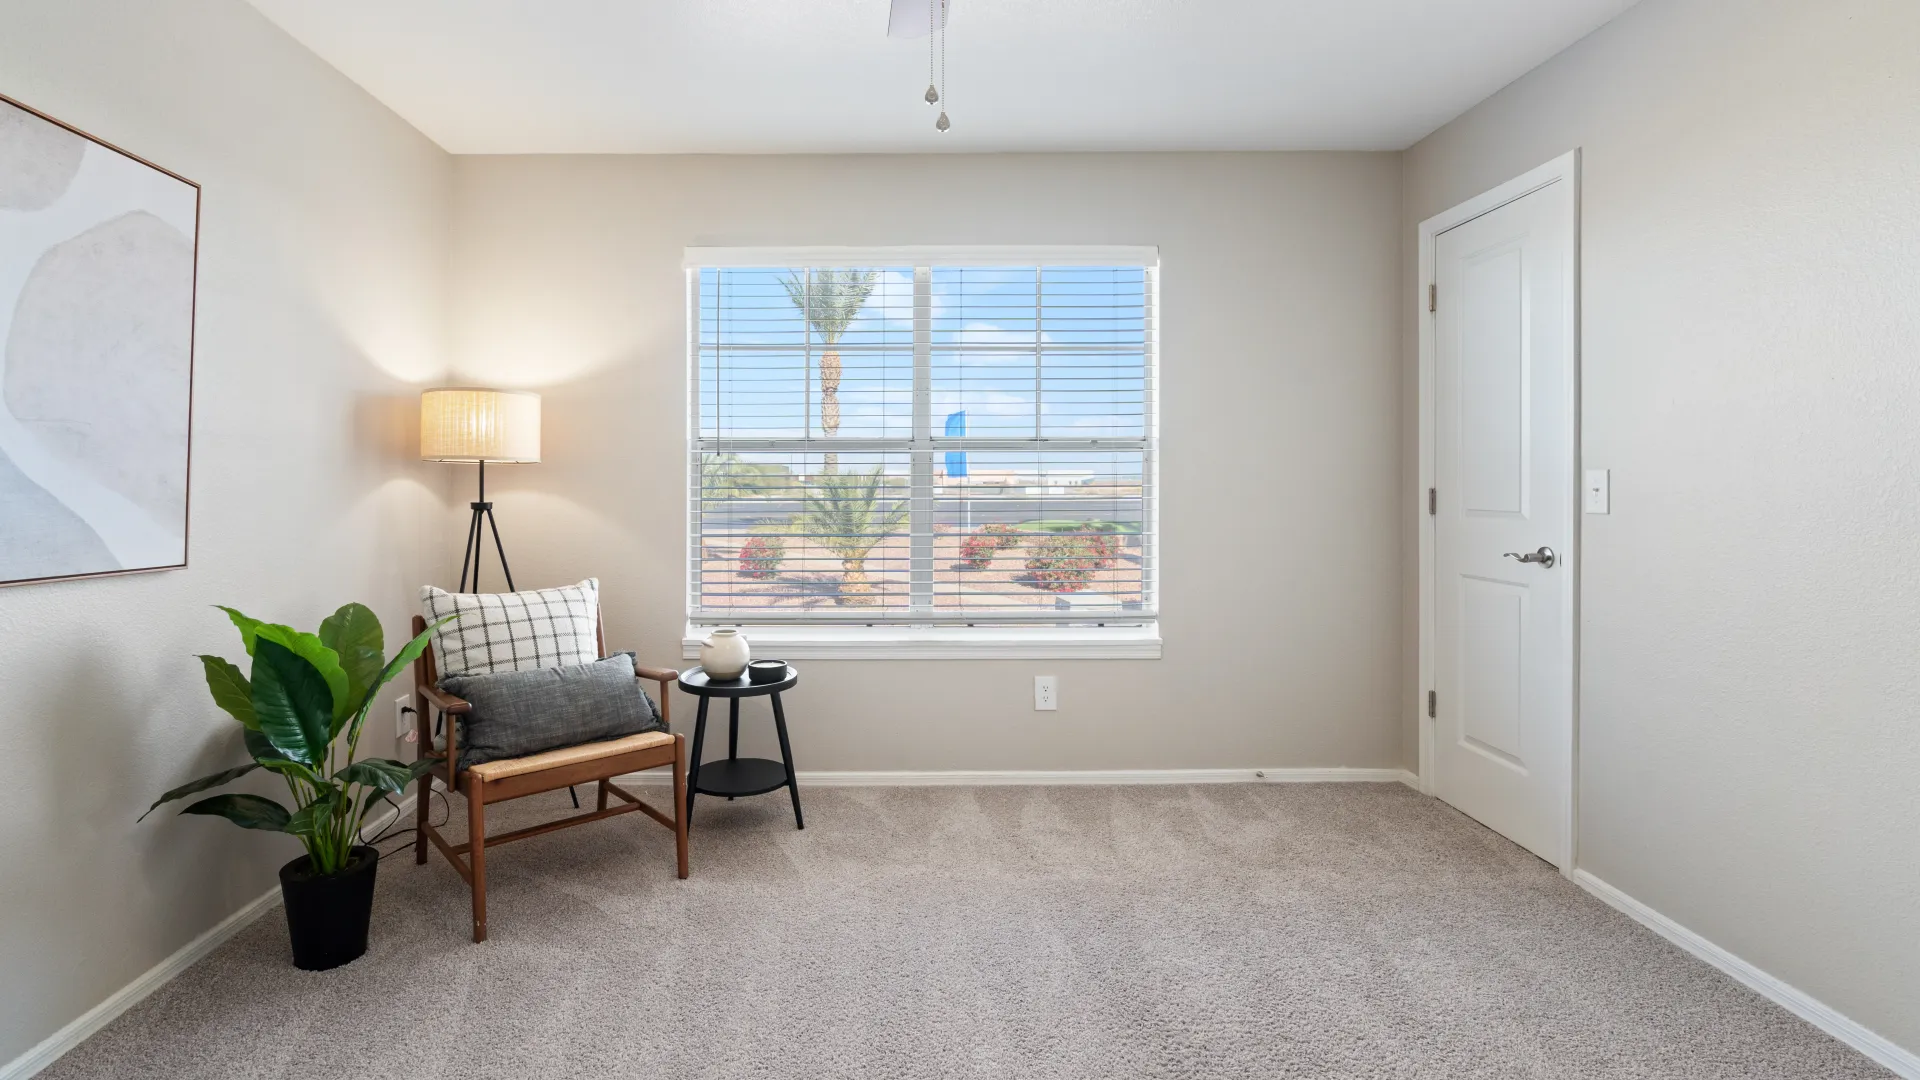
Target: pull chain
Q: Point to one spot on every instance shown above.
(938, 13)
(933, 70)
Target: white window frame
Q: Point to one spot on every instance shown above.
(987, 639)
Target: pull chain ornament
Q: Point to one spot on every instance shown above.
(937, 60)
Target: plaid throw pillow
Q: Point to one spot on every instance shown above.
(522, 631)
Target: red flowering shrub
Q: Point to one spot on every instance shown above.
(1064, 562)
(1003, 536)
(761, 556)
(977, 551)
(1104, 547)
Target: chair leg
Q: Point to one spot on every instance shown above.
(477, 853)
(425, 784)
(603, 795)
(680, 801)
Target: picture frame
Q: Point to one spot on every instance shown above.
(99, 283)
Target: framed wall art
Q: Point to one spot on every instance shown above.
(98, 253)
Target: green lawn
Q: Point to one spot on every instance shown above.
(1059, 526)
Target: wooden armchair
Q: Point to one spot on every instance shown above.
(498, 781)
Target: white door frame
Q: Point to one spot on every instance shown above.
(1564, 169)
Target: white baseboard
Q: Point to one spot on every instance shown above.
(157, 976)
(1821, 1015)
(1006, 778)
(77, 1032)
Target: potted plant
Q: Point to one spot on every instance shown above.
(301, 711)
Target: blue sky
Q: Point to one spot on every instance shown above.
(1086, 324)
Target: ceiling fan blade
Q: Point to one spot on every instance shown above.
(909, 18)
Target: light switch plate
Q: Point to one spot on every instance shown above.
(1597, 495)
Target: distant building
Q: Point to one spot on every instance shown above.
(1050, 482)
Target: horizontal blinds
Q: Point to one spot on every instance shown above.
(922, 443)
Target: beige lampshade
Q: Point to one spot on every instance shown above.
(465, 423)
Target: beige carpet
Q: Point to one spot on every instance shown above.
(1218, 931)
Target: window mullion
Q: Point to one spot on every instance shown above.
(1039, 347)
(920, 506)
(806, 362)
(695, 507)
(1150, 458)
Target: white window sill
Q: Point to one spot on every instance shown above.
(942, 642)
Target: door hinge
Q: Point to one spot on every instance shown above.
(1433, 501)
(1433, 704)
(1433, 297)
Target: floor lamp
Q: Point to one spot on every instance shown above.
(464, 423)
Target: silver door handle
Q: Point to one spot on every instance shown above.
(1545, 556)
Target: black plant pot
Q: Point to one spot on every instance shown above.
(327, 915)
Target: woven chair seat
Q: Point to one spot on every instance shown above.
(569, 755)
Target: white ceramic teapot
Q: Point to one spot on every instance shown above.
(724, 654)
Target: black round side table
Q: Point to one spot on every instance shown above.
(737, 777)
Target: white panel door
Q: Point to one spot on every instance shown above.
(1504, 480)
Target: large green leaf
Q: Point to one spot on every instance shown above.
(259, 745)
(407, 655)
(385, 774)
(268, 757)
(324, 659)
(223, 777)
(291, 768)
(310, 648)
(293, 701)
(311, 818)
(246, 811)
(231, 691)
(353, 633)
(248, 626)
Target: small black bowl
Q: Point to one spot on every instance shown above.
(766, 671)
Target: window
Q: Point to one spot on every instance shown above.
(899, 439)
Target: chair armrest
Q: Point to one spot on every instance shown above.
(446, 703)
(666, 677)
(452, 706)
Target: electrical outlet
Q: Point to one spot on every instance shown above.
(403, 716)
(1046, 693)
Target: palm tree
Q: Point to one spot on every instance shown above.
(848, 515)
(830, 299)
(729, 476)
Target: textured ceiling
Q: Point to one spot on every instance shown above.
(768, 76)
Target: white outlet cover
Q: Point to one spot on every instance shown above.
(402, 719)
(1046, 693)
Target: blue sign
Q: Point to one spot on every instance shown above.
(957, 460)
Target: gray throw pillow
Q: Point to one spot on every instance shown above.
(516, 713)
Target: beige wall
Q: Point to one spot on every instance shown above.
(322, 243)
(1750, 653)
(1280, 430)
(1750, 621)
